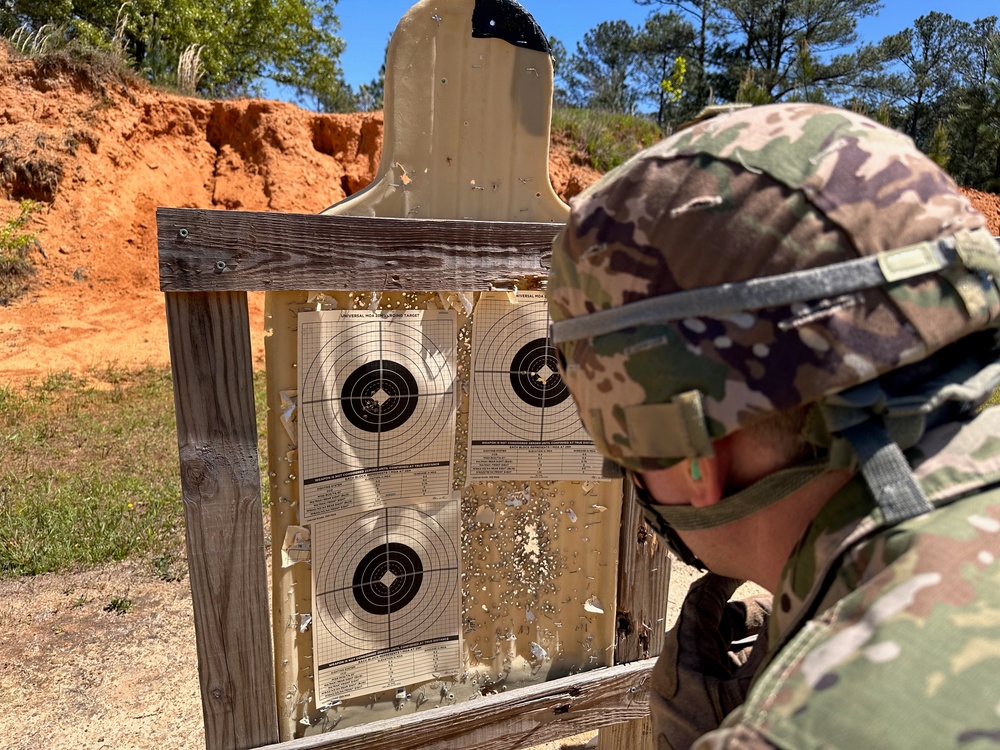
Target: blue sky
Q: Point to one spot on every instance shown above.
(367, 24)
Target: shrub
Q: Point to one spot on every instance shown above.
(608, 138)
(16, 268)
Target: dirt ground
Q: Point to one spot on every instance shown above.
(75, 673)
(102, 154)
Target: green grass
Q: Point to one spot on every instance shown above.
(993, 400)
(607, 138)
(119, 605)
(89, 473)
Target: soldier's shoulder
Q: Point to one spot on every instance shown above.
(898, 660)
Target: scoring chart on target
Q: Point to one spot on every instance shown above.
(376, 409)
(522, 422)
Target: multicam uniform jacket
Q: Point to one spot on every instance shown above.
(889, 637)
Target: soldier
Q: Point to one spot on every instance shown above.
(781, 322)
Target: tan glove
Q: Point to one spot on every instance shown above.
(700, 676)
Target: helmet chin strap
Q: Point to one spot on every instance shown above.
(879, 425)
(651, 510)
(667, 520)
(745, 502)
(887, 473)
(865, 426)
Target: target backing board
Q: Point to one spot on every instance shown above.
(376, 408)
(386, 599)
(522, 422)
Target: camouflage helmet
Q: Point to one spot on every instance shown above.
(755, 262)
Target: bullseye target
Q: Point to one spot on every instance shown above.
(379, 396)
(386, 579)
(378, 393)
(517, 389)
(534, 377)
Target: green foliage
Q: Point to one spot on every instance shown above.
(616, 66)
(706, 80)
(943, 89)
(92, 67)
(938, 81)
(672, 85)
(973, 111)
(664, 45)
(751, 91)
(883, 115)
(602, 68)
(607, 138)
(777, 36)
(782, 48)
(89, 472)
(560, 58)
(807, 68)
(230, 45)
(928, 57)
(119, 605)
(16, 242)
(938, 149)
(169, 566)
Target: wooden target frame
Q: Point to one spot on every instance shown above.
(209, 260)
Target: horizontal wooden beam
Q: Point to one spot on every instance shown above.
(202, 251)
(515, 719)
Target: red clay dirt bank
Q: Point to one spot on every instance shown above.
(102, 153)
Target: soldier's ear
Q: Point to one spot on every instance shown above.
(706, 480)
(698, 482)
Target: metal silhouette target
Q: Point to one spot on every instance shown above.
(386, 579)
(516, 381)
(378, 392)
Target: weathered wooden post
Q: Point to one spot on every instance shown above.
(217, 438)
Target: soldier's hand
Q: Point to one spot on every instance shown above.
(701, 675)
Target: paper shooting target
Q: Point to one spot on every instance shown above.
(376, 391)
(386, 579)
(516, 383)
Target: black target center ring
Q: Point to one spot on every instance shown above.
(379, 396)
(534, 375)
(387, 579)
